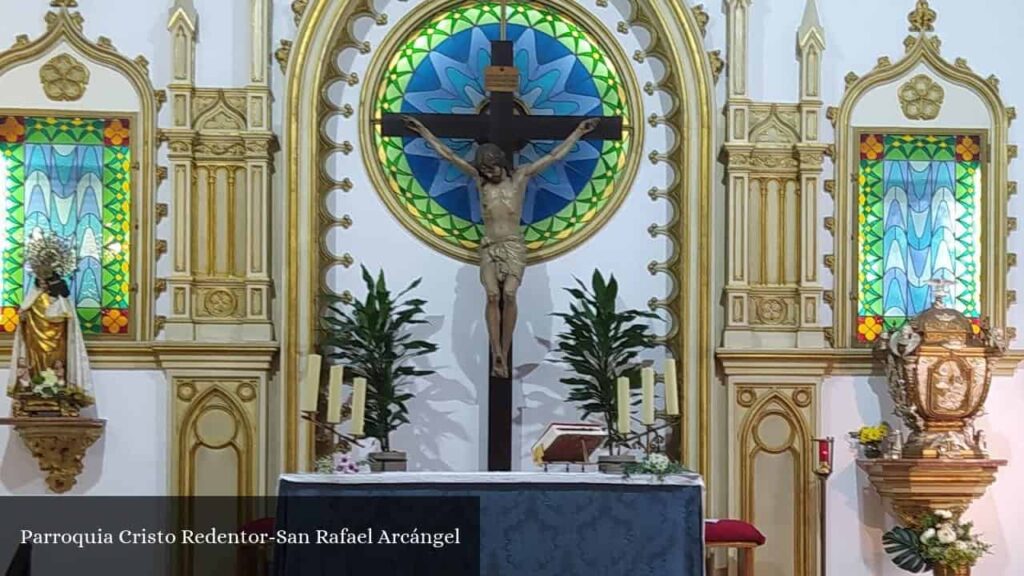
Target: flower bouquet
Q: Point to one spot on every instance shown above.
(337, 463)
(655, 464)
(939, 541)
(48, 393)
(871, 438)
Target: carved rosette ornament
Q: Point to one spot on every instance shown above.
(939, 368)
(64, 78)
(921, 98)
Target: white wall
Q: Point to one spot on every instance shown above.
(130, 459)
(857, 33)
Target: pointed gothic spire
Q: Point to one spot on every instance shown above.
(810, 40)
(182, 23)
(810, 27)
(184, 12)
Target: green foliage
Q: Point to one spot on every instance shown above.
(905, 546)
(938, 537)
(372, 338)
(600, 344)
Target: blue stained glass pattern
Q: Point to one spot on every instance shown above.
(63, 190)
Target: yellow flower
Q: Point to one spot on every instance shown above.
(11, 130)
(967, 148)
(114, 321)
(873, 434)
(9, 319)
(870, 328)
(116, 133)
(870, 147)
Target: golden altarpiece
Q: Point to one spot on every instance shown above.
(786, 330)
(216, 345)
(332, 67)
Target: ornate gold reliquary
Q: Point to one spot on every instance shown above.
(939, 367)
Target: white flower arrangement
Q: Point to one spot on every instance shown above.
(656, 464)
(338, 463)
(938, 538)
(48, 384)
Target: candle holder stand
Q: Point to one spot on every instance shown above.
(651, 440)
(337, 439)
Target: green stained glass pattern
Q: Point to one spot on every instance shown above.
(71, 176)
(563, 71)
(918, 201)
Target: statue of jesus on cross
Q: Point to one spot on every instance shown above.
(502, 249)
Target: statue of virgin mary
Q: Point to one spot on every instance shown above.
(49, 374)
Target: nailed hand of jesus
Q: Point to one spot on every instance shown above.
(412, 123)
(588, 125)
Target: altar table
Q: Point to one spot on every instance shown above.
(530, 524)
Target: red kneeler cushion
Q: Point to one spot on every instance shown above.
(261, 526)
(732, 531)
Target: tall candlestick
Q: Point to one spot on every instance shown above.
(310, 384)
(671, 388)
(334, 394)
(647, 407)
(358, 406)
(623, 405)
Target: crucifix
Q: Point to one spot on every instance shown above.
(502, 128)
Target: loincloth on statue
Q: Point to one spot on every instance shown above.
(506, 256)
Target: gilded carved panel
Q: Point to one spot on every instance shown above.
(216, 437)
(773, 472)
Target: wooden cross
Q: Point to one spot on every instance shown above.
(500, 122)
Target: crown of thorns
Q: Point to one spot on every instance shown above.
(47, 250)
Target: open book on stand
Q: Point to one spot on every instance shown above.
(564, 442)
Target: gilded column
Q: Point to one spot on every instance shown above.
(258, 143)
(182, 25)
(739, 151)
(810, 45)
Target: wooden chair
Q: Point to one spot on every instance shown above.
(254, 559)
(743, 536)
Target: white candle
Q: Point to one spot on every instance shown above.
(671, 388)
(647, 407)
(358, 405)
(623, 405)
(334, 394)
(310, 384)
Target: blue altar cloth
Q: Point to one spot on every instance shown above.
(530, 524)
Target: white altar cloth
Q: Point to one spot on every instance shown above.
(688, 479)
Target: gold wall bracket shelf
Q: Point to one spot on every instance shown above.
(916, 486)
(59, 445)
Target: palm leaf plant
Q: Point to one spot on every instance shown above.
(372, 337)
(601, 343)
(905, 547)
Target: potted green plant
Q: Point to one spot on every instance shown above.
(938, 541)
(601, 343)
(372, 337)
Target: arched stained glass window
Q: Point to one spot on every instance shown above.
(918, 221)
(564, 70)
(71, 176)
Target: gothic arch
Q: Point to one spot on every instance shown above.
(675, 39)
(796, 445)
(922, 54)
(241, 440)
(64, 31)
